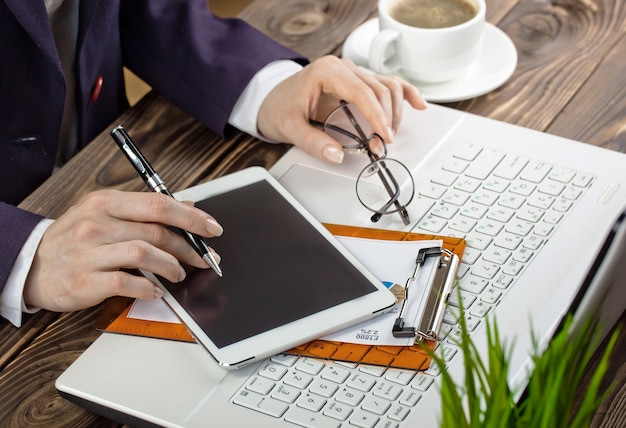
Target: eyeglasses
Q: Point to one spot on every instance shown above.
(347, 125)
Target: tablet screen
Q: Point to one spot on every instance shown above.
(277, 268)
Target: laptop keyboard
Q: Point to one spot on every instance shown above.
(506, 207)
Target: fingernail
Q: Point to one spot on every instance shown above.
(157, 293)
(333, 154)
(214, 228)
(181, 273)
(392, 134)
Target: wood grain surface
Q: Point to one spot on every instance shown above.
(570, 81)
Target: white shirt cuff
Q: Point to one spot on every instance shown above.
(12, 296)
(246, 111)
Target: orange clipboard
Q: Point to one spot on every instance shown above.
(113, 316)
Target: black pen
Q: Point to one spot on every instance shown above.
(156, 184)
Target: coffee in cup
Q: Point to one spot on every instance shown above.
(428, 41)
(433, 13)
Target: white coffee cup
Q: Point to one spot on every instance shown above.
(429, 55)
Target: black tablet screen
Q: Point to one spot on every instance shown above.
(277, 268)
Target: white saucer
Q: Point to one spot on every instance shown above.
(496, 63)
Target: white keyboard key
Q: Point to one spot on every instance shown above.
(466, 298)
(335, 373)
(485, 269)
(376, 405)
(533, 242)
(496, 184)
(272, 371)
(363, 419)
(497, 255)
(491, 296)
(523, 188)
(298, 379)
(377, 371)
(400, 376)
(485, 197)
(410, 398)
(562, 205)
(553, 217)
(387, 390)
(539, 200)
(455, 165)
(432, 224)
(310, 365)
(361, 382)
(472, 321)
(572, 193)
(470, 255)
(489, 227)
(544, 229)
(467, 152)
(510, 167)
(324, 388)
(535, 171)
(286, 393)
(338, 411)
(422, 382)
(474, 211)
(473, 284)
(349, 396)
(502, 281)
(564, 175)
(484, 164)
(306, 418)
(582, 180)
(311, 402)
(432, 190)
(512, 268)
(443, 210)
(508, 240)
(519, 228)
(477, 240)
(398, 413)
(501, 214)
(456, 197)
(260, 385)
(480, 309)
(261, 403)
(551, 187)
(467, 184)
(463, 225)
(523, 255)
(511, 200)
(529, 213)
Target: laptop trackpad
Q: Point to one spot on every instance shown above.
(329, 196)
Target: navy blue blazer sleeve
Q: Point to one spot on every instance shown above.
(199, 61)
(15, 228)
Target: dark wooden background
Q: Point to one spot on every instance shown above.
(570, 81)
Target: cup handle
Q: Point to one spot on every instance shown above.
(382, 58)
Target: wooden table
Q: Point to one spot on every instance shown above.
(570, 81)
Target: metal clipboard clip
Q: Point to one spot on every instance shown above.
(437, 296)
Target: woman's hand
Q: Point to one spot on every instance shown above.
(314, 91)
(78, 261)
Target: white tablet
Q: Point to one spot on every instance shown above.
(286, 281)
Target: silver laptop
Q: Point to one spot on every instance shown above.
(543, 219)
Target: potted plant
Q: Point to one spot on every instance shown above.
(485, 399)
